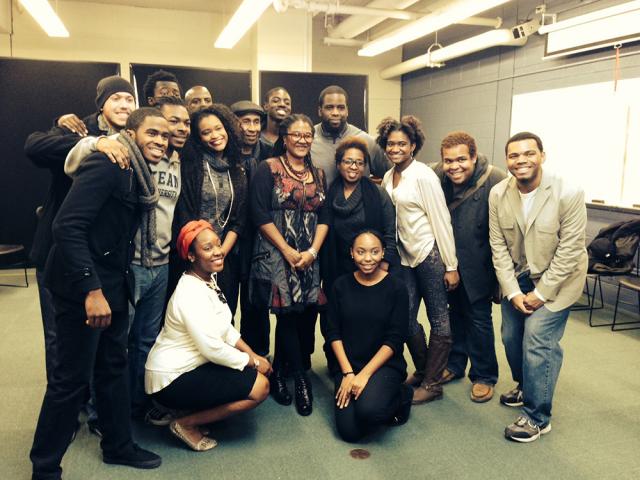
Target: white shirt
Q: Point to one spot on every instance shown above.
(422, 216)
(197, 329)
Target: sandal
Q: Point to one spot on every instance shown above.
(205, 443)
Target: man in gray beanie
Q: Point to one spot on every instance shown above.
(115, 102)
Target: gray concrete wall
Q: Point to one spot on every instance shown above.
(475, 93)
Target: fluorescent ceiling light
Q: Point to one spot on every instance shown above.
(453, 13)
(246, 15)
(492, 38)
(590, 17)
(46, 17)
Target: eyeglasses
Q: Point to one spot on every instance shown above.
(349, 162)
(297, 136)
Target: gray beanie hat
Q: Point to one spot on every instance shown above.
(110, 85)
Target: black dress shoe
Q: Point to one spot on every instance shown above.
(404, 409)
(304, 400)
(135, 457)
(278, 388)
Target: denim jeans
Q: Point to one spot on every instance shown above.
(532, 345)
(145, 321)
(426, 282)
(473, 338)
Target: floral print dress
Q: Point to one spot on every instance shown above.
(293, 206)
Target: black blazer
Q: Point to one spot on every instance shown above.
(93, 234)
(49, 150)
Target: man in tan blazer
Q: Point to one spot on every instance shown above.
(537, 233)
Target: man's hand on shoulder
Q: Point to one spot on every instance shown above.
(114, 150)
(72, 122)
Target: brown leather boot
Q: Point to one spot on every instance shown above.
(438, 354)
(418, 349)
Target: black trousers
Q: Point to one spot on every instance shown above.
(255, 324)
(295, 339)
(378, 403)
(229, 280)
(82, 350)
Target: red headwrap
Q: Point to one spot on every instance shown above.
(188, 233)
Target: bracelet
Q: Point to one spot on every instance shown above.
(347, 373)
(313, 252)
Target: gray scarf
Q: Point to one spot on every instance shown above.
(148, 197)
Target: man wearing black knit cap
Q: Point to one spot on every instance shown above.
(254, 323)
(87, 273)
(115, 102)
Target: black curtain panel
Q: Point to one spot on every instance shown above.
(226, 86)
(304, 88)
(32, 94)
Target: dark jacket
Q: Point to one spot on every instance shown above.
(613, 250)
(470, 221)
(93, 234)
(49, 150)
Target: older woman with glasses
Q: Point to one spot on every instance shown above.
(353, 203)
(288, 193)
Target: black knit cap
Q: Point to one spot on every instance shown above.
(110, 85)
(245, 106)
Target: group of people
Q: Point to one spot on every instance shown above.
(161, 220)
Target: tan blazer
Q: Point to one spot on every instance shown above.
(551, 245)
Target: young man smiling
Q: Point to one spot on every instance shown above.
(467, 178)
(151, 276)
(277, 105)
(161, 84)
(537, 227)
(87, 272)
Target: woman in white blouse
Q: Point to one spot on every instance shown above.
(199, 363)
(426, 247)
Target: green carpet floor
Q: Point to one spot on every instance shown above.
(596, 422)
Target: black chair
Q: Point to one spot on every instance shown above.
(629, 282)
(12, 256)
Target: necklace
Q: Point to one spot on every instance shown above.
(299, 174)
(211, 283)
(218, 216)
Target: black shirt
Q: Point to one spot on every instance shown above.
(367, 317)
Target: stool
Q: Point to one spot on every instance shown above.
(14, 256)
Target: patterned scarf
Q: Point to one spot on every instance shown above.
(148, 197)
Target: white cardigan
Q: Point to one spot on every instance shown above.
(197, 329)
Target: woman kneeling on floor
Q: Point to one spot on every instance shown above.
(199, 363)
(367, 326)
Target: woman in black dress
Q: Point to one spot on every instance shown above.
(367, 326)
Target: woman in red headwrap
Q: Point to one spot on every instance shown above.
(199, 363)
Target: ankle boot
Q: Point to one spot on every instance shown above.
(278, 388)
(430, 389)
(304, 397)
(417, 345)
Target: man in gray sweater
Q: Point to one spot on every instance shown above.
(333, 128)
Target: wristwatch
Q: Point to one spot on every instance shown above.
(256, 363)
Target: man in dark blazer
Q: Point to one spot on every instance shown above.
(87, 274)
(467, 178)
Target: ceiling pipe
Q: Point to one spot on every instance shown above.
(355, 25)
(435, 58)
(342, 42)
(451, 13)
